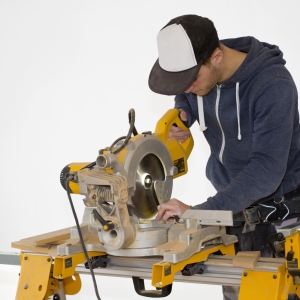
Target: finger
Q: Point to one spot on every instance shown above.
(167, 215)
(179, 132)
(180, 137)
(175, 129)
(162, 210)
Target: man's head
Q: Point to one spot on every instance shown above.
(184, 44)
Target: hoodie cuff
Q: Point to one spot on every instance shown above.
(203, 206)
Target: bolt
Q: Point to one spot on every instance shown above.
(274, 276)
(48, 259)
(245, 274)
(25, 257)
(25, 286)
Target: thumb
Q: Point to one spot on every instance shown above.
(183, 115)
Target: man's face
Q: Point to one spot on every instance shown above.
(206, 80)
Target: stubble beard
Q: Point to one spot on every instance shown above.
(212, 82)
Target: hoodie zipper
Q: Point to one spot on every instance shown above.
(218, 119)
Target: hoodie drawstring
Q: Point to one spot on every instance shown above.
(202, 126)
(237, 99)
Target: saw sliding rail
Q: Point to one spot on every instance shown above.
(217, 269)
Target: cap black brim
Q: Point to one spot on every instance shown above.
(171, 83)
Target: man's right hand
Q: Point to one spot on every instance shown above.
(172, 208)
(178, 133)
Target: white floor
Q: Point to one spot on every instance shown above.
(111, 288)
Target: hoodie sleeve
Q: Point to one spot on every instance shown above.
(182, 102)
(275, 114)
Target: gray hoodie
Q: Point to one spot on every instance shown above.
(251, 123)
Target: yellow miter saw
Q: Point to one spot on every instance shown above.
(122, 190)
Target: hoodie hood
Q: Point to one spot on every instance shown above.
(259, 56)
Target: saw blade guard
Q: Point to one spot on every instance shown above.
(148, 168)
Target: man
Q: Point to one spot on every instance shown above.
(246, 103)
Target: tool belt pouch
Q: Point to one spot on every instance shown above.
(252, 215)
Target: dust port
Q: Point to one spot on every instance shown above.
(102, 161)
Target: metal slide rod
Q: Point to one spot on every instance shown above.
(9, 258)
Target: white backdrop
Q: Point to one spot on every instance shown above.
(70, 70)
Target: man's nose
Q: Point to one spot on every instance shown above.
(189, 89)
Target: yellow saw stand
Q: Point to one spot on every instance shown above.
(43, 276)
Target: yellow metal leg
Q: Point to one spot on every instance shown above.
(34, 277)
(42, 275)
(262, 285)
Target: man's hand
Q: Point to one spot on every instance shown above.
(170, 209)
(178, 133)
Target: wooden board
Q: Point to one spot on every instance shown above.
(45, 243)
(48, 249)
(47, 238)
(246, 259)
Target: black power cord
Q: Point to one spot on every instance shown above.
(132, 130)
(80, 236)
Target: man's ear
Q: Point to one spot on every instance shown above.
(217, 56)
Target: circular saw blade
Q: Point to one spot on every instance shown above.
(150, 169)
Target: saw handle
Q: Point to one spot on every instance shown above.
(163, 126)
(106, 225)
(139, 287)
(179, 152)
